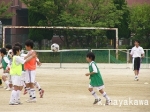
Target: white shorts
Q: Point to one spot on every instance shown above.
(98, 88)
(30, 76)
(23, 78)
(16, 80)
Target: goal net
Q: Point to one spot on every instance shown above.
(75, 58)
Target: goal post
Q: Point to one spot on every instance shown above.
(61, 27)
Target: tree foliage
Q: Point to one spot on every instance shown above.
(3, 10)
(95, 13)
(140, 23)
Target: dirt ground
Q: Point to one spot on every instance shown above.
(66, 91)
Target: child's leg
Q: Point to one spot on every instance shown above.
(104, 94)
(93, 93)
(13, 98)
(41, 91)
(4, 78)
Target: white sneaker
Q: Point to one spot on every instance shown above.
(5, 87)
(13, 103)
(108, 102)
(136, 79)
(31, 100)
(8, 89)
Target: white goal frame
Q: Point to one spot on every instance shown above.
(60, 27)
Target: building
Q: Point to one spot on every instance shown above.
(131, 2)
(20, 18)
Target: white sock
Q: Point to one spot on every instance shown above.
(33, 93)
(136, 76)
(38, 86)
(105, 95)
(7, 83)
(18, 95)
(13, 96)
(24, 85)
(28, 90)
(94, 94)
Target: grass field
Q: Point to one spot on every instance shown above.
(66, 91)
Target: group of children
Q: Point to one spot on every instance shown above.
(19, 71)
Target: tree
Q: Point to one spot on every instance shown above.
(3, 10)
(96, 13)
(140, 23)
(38, 34)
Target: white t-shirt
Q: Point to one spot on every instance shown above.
(19, 60)
(137, 52)
(94, 67)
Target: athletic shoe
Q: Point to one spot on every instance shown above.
(31, 100)
(19, 103)
(96, 101)
(8, 89)
(25, 92)
(108, 102)
(136, 79)
(41, 93)
(13, 103)
(5, 87)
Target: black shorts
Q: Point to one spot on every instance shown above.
(137, 62)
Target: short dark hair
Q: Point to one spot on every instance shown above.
(3, 50)
(15, 49)
(29, 43)
(8, 46)
(137, 41)
(91, 56)
(19, 45)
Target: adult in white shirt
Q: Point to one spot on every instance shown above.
(137, 53)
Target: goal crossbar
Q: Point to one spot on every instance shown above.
(61, 27)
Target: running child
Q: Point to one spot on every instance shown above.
(16, 72)
(36, 84)
(9, 55)
(96, 80)
(30, 69)
(5, 64)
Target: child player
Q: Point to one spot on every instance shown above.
(9, 55)
(22, 54)
(96, 79)
(5, 63)
(16, 72)
(30, 68)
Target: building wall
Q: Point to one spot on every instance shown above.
(132, 2)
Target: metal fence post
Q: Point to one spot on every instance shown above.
(60, 59)
(127, 55)
(109, 56)
(147, 57)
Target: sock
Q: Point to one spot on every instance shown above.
(33, 93)
(18, 95)
(13, 96)
(136, 76)
(29, 91)
(24, 85)
(105, 95)
(7, 83)
(38, 86)
(94, 94)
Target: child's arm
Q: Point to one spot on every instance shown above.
(29, 54)
(38, 62)
(21, 60)
(94, 70)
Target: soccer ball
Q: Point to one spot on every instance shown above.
(55, 47)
